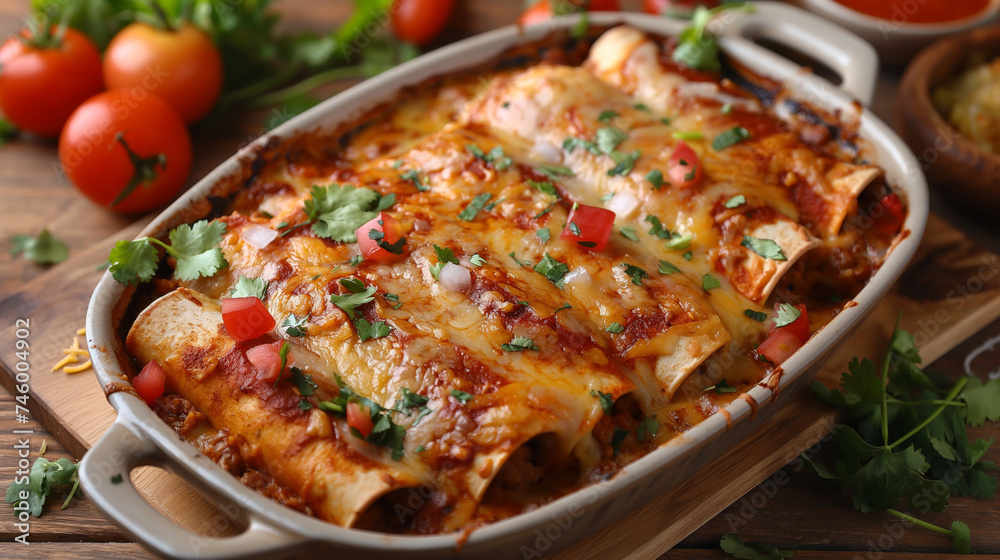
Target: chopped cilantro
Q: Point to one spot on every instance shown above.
(394, 299)
(444, 255)
(667, 268)
(461, 396)
(474, 207)
(494, 156)
(764, 247)
(476, 260)
(554, 171)
(412, 401)
(655, 177)
(629, 233)
(574, 229)
(785, 314)
(518, 344)
(657, 228)
(294, 326)
(666, 120)
(615, 328)
(649, 426)
(679, 242)
(608, 138)
(607, 400)
(367, 330)
(636, 273)
(687, 255)
(571, 143)
(356, 260)
(545, 186)
(641, 107)
(561, 307)
(736, 201)
(518, 261)
(552, 269)
(543, 234)
(709, 282)
(412, 176)
(249, 287)
(378, 237)
(337, 211)
(720, 387)
(730, 137)
(726, 109)
(617, 438)
(755, 315)
(116, 479)
(348, 303)
(698, 47)
(624, 163)
(607, 115)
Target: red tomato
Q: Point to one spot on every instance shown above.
(778, 346)
(126, 139)
(181, 66)
(542, 10)
(267, 359)
(359, 418)
(150, 382)
(892, 214)
(657, 7)
(798, 327)
(387, 230)
(419, 21)
(683, 168)
(40, 86)
(589, 226)
(246, 318)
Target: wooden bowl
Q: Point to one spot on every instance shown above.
(955, 166)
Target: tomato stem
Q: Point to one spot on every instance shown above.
(307, 85)
(145, 169)
(161, 15)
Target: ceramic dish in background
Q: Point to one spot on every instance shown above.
(138, 437)
(964, 172)
(898, 40)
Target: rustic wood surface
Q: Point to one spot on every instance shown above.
(790, 508)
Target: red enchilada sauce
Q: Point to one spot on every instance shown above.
(918, 11)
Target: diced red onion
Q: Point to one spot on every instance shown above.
(455, 277)
(259, 236)
(623, 204)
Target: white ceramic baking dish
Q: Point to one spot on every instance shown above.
(138, 437)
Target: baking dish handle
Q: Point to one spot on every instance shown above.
(104, 471)
(850, 56)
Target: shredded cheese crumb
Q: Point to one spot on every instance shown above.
(73, 354)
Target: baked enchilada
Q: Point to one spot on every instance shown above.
(508, 285)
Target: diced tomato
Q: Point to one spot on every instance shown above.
(779, 345)
(683, 168)
(359, 418)
(798, 327)
(246, 318)
(386, 229)
(150, 382)
(267, 359)
(542, 9)
(589, 226)
(892, 214)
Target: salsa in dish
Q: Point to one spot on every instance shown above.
(506, 286)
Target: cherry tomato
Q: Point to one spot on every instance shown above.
(181, 66)
(589, 226)
(359, 418)
(126, 150)
(683, 168)
(150, 382)
(798, 327)
(657, 7)
(385, 229)
(267, 359)
(779, 345)
(892, 214)
(246, 318)
(41, 85)
(542, 10)
(420, 21)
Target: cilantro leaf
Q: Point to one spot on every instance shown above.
(764, 247)
(44, 477)
(734, 545)
(655, 177)
(755, 315)
(195, 249)
(44, 249)
(476, 260)
(785, 314)
(624, 163)
(461, 396)
(709, 282)
(294, 326)
(474, 207)
(552, 269)
(444, 255)
(698, 48)
(736, 201)
(679, 242)
(629, 233)
(545, 186)
(614, 328)
(982, 401)
(367, 330)
(617, 437)
(303, 381)
(348, 303)
(607, 115)
(555, 171)
(543, 234)
(657, 228)
(607, 400)
(668, 268)
(413, 176)
(608, 138)
(336, 211)
(249, 287)
(720, 388)
(637, 274)
(133, 262)
(571, 143)
(730, 137)
(518, 344)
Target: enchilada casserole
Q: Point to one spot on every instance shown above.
(511, 283)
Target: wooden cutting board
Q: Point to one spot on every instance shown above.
(950, 291)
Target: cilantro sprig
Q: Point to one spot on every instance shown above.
(336, 211)
(44, 477)
(385, 433)
(907, 440)
(698, 48)
(44, 249)
(193, 247)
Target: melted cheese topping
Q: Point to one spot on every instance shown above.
(540, 421)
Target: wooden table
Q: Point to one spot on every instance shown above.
(792, 509)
